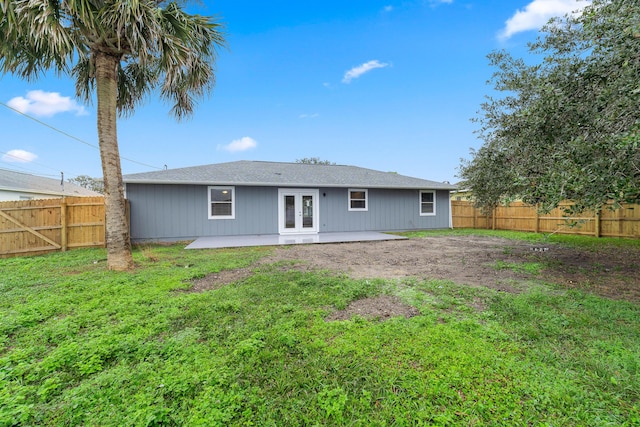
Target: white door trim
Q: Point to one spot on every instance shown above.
(298, 193)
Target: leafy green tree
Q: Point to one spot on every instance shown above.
(120, 50)
(85, 181)
(566, 127)
(314, 161)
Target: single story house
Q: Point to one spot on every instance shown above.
(270, 198)
(23, 186)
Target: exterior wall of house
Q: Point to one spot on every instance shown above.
(388, 210)
(180, 212)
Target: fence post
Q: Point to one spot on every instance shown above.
(597, 225)
(493, 218)
(537, 219)
(63, 225)
(475, 217)
(104, 222)
(621, 228)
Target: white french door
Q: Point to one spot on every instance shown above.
(297, 211)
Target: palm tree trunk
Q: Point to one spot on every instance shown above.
(116, 228)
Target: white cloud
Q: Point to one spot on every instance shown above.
(356, 72)
(243, 144)
(308, 116)
(388, 8)
(45, 104)
(537, 13)
(18, 156)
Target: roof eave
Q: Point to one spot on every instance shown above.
(292, 184)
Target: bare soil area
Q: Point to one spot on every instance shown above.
(471, 260)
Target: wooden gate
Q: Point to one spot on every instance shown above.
(41, 226)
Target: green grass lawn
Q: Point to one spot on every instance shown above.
(80, 345)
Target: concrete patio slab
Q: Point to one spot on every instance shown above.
(209, 242)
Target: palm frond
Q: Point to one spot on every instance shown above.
(156, 42)
(84, 73)
(189, 50)
(134, 84)
(37, 36)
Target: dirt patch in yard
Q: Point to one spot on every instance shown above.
(501, 264)
(465, 260)
(382, 307)
(220, 279)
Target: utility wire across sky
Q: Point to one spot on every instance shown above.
(75, 138)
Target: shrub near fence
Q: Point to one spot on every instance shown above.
(41, 226)
(621, 222)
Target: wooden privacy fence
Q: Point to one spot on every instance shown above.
(40, 226)
(622, 222)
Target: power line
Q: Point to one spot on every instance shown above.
(28, 171)
(74, 137)
(21, 159)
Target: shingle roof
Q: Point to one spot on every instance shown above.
(257, 173)
(26, 183)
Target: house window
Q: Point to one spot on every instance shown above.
(358, 200)
(427, 203)
(222, 203)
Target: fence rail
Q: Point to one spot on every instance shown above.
(41, 226)
(621, 222)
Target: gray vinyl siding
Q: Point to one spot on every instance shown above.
(173, 212)
(388, 210)
(180, 212)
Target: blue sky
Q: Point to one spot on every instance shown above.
(387, 85)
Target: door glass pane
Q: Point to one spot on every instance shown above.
(289, 212)
(307, 211)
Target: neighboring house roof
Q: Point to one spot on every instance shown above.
(25, 183)
(257, 173)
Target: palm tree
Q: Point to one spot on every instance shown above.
(122, 49)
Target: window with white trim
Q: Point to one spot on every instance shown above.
(222, 202)
(427, 202)
(358, 200)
